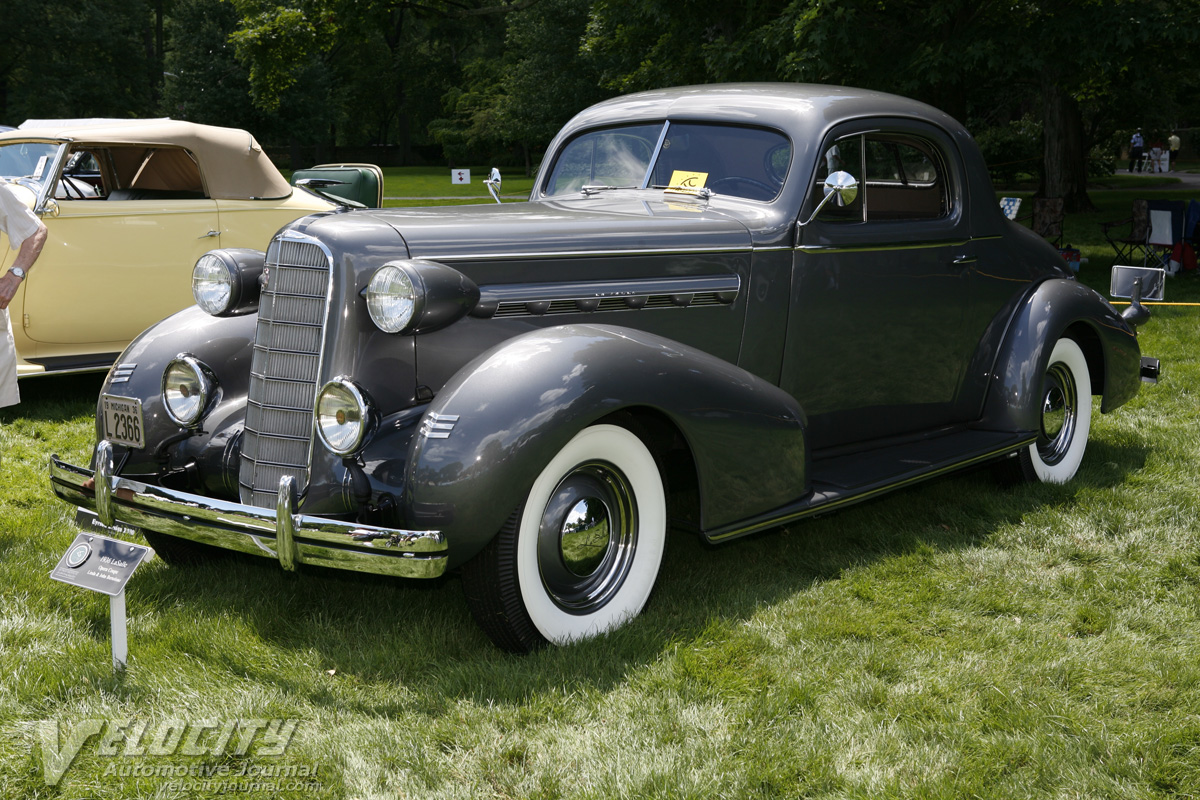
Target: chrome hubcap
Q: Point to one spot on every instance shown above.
(587, 537)
(1059, 404)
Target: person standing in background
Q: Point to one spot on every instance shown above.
(1136, 145)
(1173, 145)
(27, 235)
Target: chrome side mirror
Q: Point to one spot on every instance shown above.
(839, 185)
(493, 184)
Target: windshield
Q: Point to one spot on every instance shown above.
(730, 160)
(26, 159)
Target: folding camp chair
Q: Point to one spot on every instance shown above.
(1129, 243)
(1046, 219)
(1166, 218)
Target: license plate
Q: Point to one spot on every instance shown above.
(123, 420)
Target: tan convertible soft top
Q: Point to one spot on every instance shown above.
(231, 161)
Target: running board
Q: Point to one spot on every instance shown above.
(841, 480)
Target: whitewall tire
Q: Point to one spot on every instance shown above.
(1065, 415)
(582, 553)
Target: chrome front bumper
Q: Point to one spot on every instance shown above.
(278, 533)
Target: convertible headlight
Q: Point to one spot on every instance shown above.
(187, 386)
(344, 416)
(225, 282)
(391, 298)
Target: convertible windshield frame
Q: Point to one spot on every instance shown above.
(41, 183)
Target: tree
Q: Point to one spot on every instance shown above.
(1080, 65)
(77, 58)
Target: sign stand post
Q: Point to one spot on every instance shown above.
(120, 634)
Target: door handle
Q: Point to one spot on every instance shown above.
(209, 235)
(964, 260)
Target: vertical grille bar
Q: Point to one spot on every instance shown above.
(284, 370)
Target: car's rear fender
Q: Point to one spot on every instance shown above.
(1057, 308)
(500, 420)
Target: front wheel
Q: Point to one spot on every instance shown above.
(581, 554)
(1066, 417)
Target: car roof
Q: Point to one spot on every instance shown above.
(232, 162)
(800, 108)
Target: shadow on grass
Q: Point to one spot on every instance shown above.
(55, 398)
(416, 642)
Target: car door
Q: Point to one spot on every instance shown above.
(879, 286)
(120, 259)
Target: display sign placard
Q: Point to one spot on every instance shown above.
(98, 563)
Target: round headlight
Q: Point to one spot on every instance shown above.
(186, 387)
(343, 416)
(212, 284)
(391, 299)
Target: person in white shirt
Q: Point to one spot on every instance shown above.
(1136, 144)
(27, 235)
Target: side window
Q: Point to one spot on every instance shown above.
(154, 173)
(905, 180)
(900, 177)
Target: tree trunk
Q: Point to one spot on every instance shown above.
(1064, 165)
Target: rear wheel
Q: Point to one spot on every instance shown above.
(581, 554)
(1066, 417)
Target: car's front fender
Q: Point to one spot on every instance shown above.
(1053, 309)
(224, 344)
(501, 419)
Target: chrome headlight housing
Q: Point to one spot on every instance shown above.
(344, 416)
(225, 282)
(392, 298)
(187, 387)
(417, 296)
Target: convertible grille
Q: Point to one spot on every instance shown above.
(284, 371)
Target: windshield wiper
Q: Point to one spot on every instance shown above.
(700, 191)
(593, 188)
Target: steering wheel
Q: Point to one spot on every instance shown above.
(753, 190)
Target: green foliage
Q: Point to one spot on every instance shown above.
(1011, 149)
(77, 58)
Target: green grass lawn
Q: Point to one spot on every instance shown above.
(959, 639)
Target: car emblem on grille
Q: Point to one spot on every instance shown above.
(438, 426)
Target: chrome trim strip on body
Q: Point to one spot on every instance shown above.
(890, 247)
(547, 254)
(248, 529)
(121, 373)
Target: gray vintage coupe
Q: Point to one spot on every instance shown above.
(722, 309)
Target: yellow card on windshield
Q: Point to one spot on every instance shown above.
(682, 179)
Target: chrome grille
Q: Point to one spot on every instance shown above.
(284, 370)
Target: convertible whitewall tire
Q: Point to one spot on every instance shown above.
(1066, 417)
(582, 553)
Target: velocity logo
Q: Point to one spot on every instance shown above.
(126, 738)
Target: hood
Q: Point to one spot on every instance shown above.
(605, 223)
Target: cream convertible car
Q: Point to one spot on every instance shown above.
(130, 206)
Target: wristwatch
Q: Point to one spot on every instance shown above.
(20, 273)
